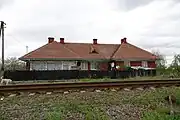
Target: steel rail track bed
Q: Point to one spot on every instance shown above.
(87, 85)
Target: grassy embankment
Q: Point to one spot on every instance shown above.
(104, 105)
(90, 80)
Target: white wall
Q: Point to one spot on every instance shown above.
(84, 65)
(55, 65)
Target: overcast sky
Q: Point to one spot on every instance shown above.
(149, 24)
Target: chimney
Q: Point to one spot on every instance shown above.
(123, 40)
(62, 40)
(94, 41)
(50, 39)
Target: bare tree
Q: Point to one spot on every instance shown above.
(160, 62)
(13, 63)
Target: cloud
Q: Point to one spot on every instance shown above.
(150, 24)
(132, 4)
(5, 2)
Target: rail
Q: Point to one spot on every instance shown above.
(87, 85)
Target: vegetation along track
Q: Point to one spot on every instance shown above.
(87, 85)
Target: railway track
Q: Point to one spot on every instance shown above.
(88, 85)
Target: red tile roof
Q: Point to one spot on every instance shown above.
(129, 51)
(82, 51)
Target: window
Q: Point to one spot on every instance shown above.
(50, 66)
(39, 66)
(127, 63)
(54, 65)
(94, 66)
(144, 64)
(84, 65)
(65, 65)
(58, 66)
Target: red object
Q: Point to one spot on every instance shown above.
(62, 40)
(135, 63)
(129, 51)
(94, 41)
(89, 66)
(124, 40)
(103, 66)
(151, 64)
(50, 39)
(82, 51)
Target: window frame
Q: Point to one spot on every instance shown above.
(94, 66)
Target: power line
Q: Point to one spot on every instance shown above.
(19, 42)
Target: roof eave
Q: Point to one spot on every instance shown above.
(55, 59)
(133, 59)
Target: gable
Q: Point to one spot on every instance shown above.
(129, 51)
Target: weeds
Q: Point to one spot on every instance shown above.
(55, 115)
(89, 112)
(90, 105)
(159, 116)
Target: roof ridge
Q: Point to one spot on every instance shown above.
(71, 50)
(90, 43)
(140, 48)
(115, 51)
(127, 45)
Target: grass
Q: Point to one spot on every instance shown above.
(105, 79)
(54, 115)
(90, 112)
(133, 78)
(159, 116)
(106, 105)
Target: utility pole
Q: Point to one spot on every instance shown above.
(2, 26)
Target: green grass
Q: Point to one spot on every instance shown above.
(92, 80)
(90, 112)
(96, 80)
(55, 115)
(89, 105)
(154, 97)
(120, 79)
(159, 116)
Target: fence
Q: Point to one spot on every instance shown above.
(71, 74)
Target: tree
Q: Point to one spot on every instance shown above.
(160, 62)
(12, 63)
(175, 65)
